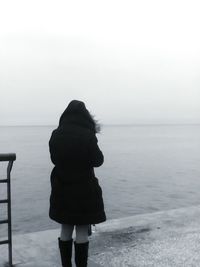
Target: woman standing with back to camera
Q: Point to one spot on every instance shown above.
(76, 197)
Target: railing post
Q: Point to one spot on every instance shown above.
(10, 158)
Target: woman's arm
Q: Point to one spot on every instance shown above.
(95, 154)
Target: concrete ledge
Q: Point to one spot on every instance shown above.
(168, 238)
(39, 249)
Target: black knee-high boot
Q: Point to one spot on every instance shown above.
(81, 254)
(65, 252)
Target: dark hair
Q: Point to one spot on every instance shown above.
(76, 112)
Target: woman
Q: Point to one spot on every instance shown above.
(76, 197)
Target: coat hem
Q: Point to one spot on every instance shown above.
(78, 220)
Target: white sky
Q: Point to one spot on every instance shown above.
(129, 61)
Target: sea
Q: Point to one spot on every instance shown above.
(147, 168)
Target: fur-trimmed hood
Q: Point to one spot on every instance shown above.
(77, 113)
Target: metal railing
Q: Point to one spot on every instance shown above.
(10, 158)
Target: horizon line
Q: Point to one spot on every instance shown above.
(102, 124)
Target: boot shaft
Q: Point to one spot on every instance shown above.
(81, 254)
(65, 248)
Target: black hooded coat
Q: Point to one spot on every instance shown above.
(76, 197)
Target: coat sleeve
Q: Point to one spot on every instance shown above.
(95, 154)
(50, 150)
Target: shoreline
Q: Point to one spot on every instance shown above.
(165, 238)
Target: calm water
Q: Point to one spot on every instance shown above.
(146, 169)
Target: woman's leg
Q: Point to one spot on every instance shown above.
(65, 244)
(81, 245)
(81, 234)
(66, 232)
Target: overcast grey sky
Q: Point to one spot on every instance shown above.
(130, 61)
